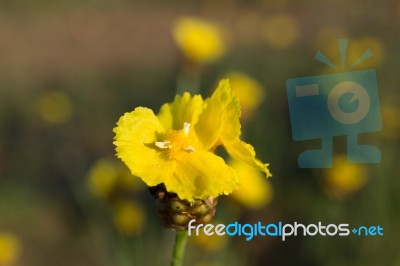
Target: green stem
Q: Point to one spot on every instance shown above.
(179, 248)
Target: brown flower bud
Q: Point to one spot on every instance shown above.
(176, 213)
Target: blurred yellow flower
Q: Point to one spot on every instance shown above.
(344, 178)
(249, 91)
(199, 40)
(177, 146)
(107, 174)
(129, 217)
(281, 31)
(254, 191)
(360, 45)
(54, 107)
(390, 118)
(356, 47)
(209, 243)
(9, 249)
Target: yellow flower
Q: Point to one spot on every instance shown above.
(199, 40)
(281, 31)
(54, 107)
(9, 249)
(176, 147)
(107, 174)
(390, 118)
(129, 217)
(344, 178)
(248, 90)
(255, 191)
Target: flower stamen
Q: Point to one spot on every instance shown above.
(186, 128)
(189, 149)
(177, 142)
(163, 144)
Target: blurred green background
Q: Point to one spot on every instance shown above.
(70, 69)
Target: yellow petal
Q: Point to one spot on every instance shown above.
(219, 124)
(165, 116)
(184, 109)
(220, 116)
(201, 175)
(244, 152)
(231, 128)
(136, 133)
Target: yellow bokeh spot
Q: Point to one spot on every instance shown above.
(254, 191)
(327, 42)
(9, 249)
(281, 31)
(199, 40)
(54, 107)
(344, 178)
(107, 174)
(248, 90)
(102, 178)
(390, 119)
(359, 46)
(129, 217)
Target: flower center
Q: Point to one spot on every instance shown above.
(178, 143)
